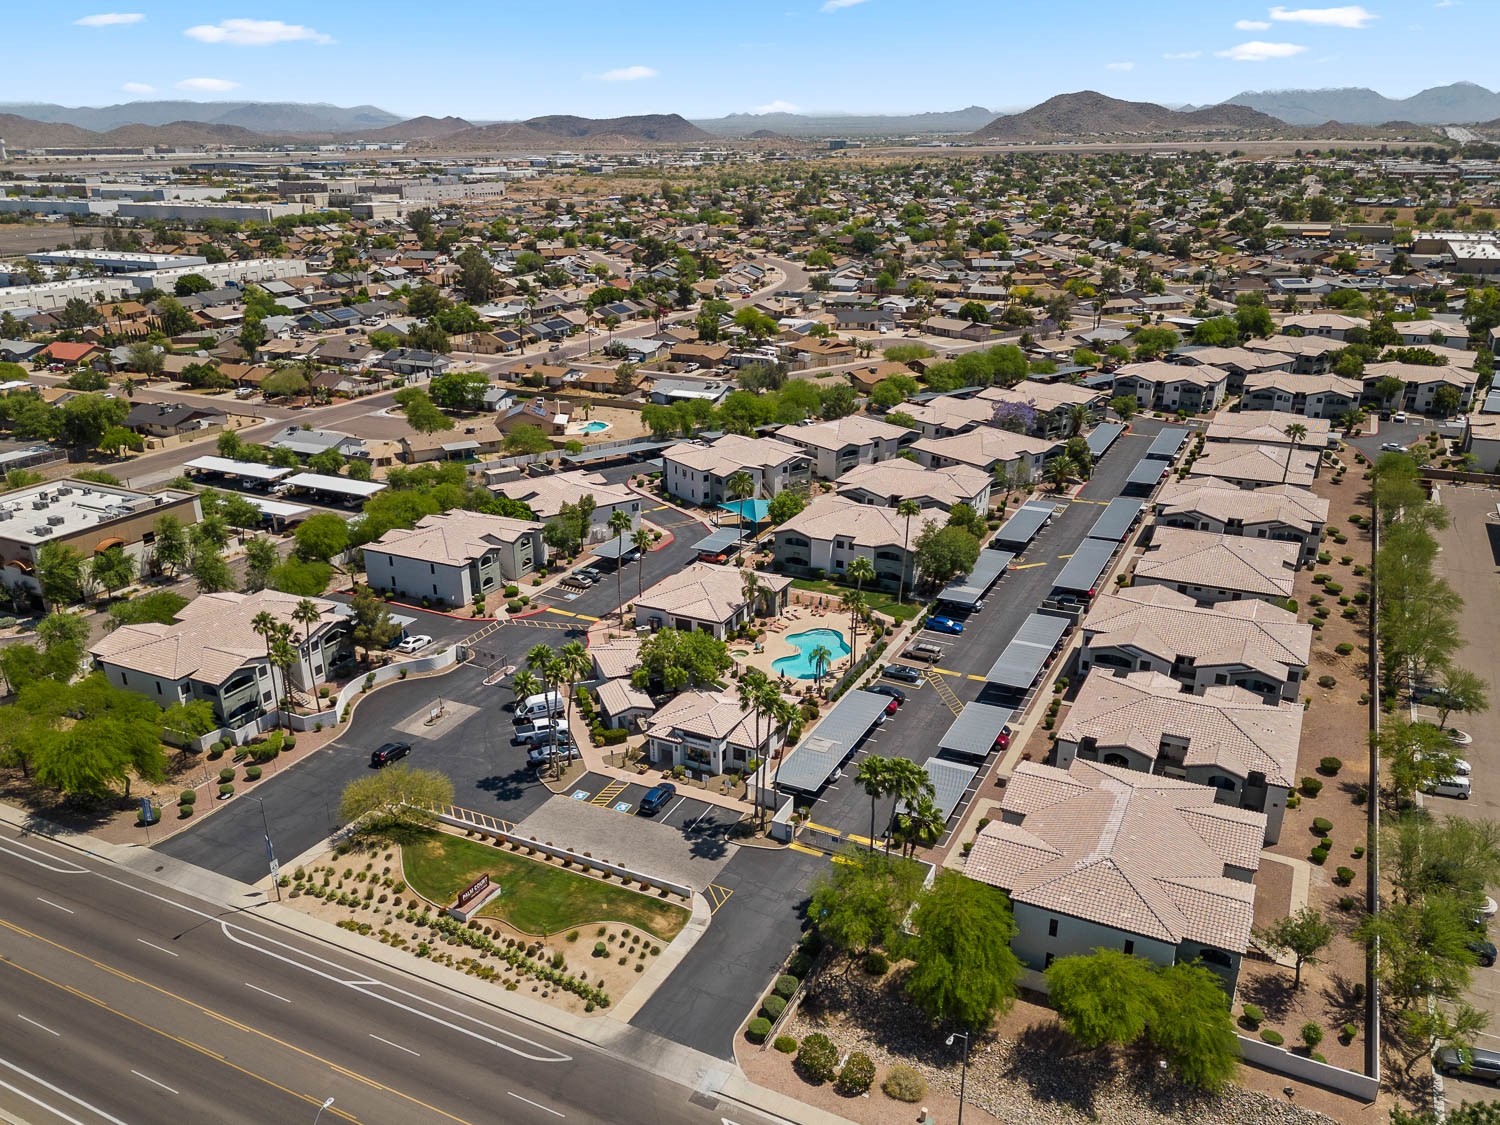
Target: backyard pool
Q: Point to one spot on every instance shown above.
(801, 666)
(593, 427)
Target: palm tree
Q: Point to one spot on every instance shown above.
(1078, 417)
(820, 658)
(873, 776)
(772, 705)
(921, 825)
(907, 782)
(750, 584)
(284, 656)
(853, 602)
(859, 571)
(574, 663)
(1295, 433)
(525, 685)
(749, 690)
(542, 660)
(906, 509)
(641, 540)
(741, 487)
(619, 523)
(307, 614)
(1058, 469)
(264, 625)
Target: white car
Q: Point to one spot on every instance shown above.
(1450, 787)
(1461, 768)
(1392, 447)
(414, 644)
(1399, 416)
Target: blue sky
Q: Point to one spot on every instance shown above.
(519, 58)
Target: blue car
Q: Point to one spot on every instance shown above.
(945, 625)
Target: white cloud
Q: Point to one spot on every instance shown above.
(778, 107)
(255, 33)
(1256, 51)
(627, 74)
(1182, 55)
(1251, 25)
(108, 19)
(1351, 15)
(1446, 4)
(835, 5)
(207, 85)
(1119, 66)
(138, 88)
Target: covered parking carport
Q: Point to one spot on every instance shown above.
(976, 731)
(967, 592)
(250, 473)
(1016, 533)
(1081, 573)
(808, 768)
(1022, 661)
(1118, 517)
(343, 490)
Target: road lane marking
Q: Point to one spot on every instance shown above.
(1026, 566)
(674, 808)
(398, 1046)
(70, 869)
(158, 948)
(56, 1090)
(272, 995)
(49, 902)
(153, 1081)
(539, 1105)
(33, 1023)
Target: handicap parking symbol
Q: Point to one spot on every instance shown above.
(581, 794)
(622, 806)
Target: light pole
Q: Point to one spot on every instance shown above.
(321, 1108)
(963, 1076)
(270, 851)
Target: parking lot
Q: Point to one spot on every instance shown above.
(684, 811)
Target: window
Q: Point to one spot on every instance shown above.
(1051, 927)
(1047, 964)
(1129, 947)
(124, 679)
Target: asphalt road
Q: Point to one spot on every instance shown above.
(914, 730)
(129, 1000)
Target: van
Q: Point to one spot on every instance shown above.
(544, 705)
(538, 732)
(1451, 787)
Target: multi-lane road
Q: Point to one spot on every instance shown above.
(127, 999)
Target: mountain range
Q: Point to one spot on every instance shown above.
(258, 117)
(550, 131)
(1089, 113)
(847, 124)
(1459, 103)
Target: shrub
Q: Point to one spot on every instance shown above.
(1333, 588)
(1345, 876)
(1312, 1034)
(226, 774)
(1348, 1032)
(904, 1084)
(1272, 1037)
(786, 984)
(817, 1057)
(1348, 902)
(226, 789)
(600, 949)
(876, 963)
(1326, 681)
(786, 1044)
(1343, 648)
(857, 1075)
(1310, 786)
(1359, 852)
(798, 965)
(187, 797)
(758, 1030)
(252, 773)
(772, 1007)
(1252, 1017)
(1320, 579)
(1319, 856)
(1322, 826)
(1330, 766)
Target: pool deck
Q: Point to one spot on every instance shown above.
(774, 645)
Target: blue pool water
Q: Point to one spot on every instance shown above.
(594, 427)
(801, 666)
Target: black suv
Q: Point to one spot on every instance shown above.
(390, 752)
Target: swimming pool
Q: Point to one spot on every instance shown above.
(593, 427)
(801, 666)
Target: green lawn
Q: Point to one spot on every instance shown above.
(878, 600)
(536, 898)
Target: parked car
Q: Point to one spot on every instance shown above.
(1392, 447)
(390, 752)
(414, 644)
(539, 756)
(1484, 950)
(945, 625)
(592, 573)
(543, 705)
(658, 796)
(1471, 1062)
(926, 653)
(579, 579)
(537, 732)
(1399, 416)
(897, 696)
(1449, 787)
(904, 673)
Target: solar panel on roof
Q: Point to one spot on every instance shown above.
(808, 766)
(1116, 520)
(1082, 571)
(1026, 655)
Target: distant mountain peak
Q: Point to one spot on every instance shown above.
(1453, 104)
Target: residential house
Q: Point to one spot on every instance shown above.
(1195, 388)
(1421, 385)
(1282, 512)
(1094, 857)
(887, 483)
(1316, 396)
(838, 446)
(546, 494)
(947, 415)
(666, 391)
(467, 439)
(1330, 326)
(707, 732)
(1268, 427)
(1257, 466)
(956, 329)
(454, 557)
(212, 652)
(551, 417)
(828, 534)
(1054, 404)
(699, 473)
(307, 443)
(413, 363)
(1226, 738)
(990, 449)
(1248, 644)
(170, 419)
(1240, 363)
(707, 598)
(1218, 568)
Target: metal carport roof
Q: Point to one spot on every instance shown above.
(228, 467)
(1168, 443)
(1026, 655)
(1023, 525)
(950, 781)
(1081, 574)
(974, 732)
(342, 486)
(967, 590)
(1116, 520)
(1147, 473)
(613, 548)
(719, 541)
(1102, 436)
(807, 767)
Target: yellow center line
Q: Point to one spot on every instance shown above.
(1065, 556)
(947, 672)
(1027, 566)
(309, 1099)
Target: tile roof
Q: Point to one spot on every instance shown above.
(1219, 500)
(1266, 464)
(731, 453)
(712, 715)
(900, 479)
(1226, 562)
(1043, 396)
(865, 524)
(1157, 371)
(704, 591)
(853, 429)
(1226, 727)
(1131, 851)
(984, 447)
(545, 495)
(454, 538)
(1291, 384)
(616, 658)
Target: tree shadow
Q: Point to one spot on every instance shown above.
(1345, 998)
(505, 787)
(1271, 993)
(1046, 1060)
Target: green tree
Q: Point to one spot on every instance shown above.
(87, 418)
(172, 318)
(60, 572)
(306, 578)
(1303, 935)
(321, 537)
(906, 509)
(963, 968)
(1462, 691)
(239, 512)
(209, 570)
(395, 801)
(873, 777)
(859, 903)
(944, 552)
(1416, 755)
(159, 606)
(1152, 342)
(373, 627)
(1192, 1025)
(261, 558)
(671, 659)
(190, 283)
(1105, 998)
(526, 439)
(459, 390)
(112, 568)
(619, 523)
(170, 544)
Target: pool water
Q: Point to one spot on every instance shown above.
(594, 427)
(801, 666)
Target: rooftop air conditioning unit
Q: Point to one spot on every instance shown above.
(41, 530)
(38, 505)
(54, 521)
(65, 490)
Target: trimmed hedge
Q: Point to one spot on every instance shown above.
(758, 1030)
(904, 1084)
(1274, 1038)
(786, 984)
(817, 1057)
(858, 1074)
(772, 1007)
(786, 1044)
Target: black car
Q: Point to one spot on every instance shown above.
(390, 752)
(592, 573)
(885, 689)
(903, 672)
(1484, 950)
(652, 802)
